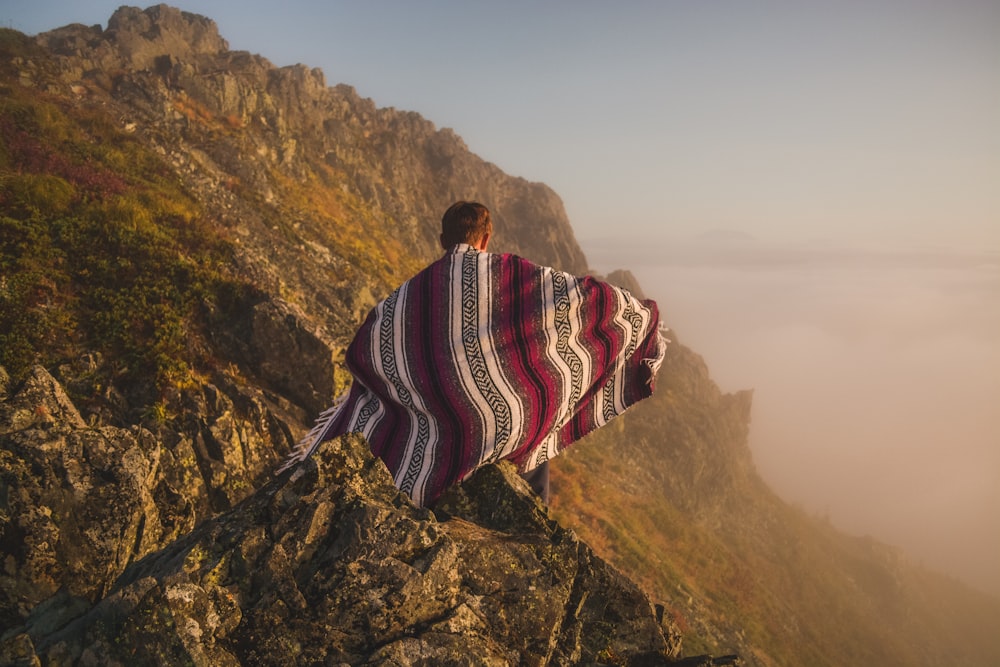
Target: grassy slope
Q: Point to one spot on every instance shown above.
(101, 249)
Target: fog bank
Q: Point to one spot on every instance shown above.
(876, 380)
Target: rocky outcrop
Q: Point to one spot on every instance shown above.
(137, 39)
(328, 563)
(164, 64)
(625, 278)
(76, 502)
(279, 332)
(79, 503)
(690, 439)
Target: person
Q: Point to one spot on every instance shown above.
(482, 357)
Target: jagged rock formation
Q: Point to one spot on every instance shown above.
(81, 502)
(177, 83)
(329, 562)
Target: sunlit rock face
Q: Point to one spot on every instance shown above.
(77, 503)
(81, 502)
(328, 563)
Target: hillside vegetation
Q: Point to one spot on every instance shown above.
(102, 251)
(188, 238)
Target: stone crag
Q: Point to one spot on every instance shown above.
(326, 564)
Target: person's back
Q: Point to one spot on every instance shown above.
(482, 357)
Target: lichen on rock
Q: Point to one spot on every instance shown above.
(330, 563)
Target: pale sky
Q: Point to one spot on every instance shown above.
(753, 162)
(854, 122)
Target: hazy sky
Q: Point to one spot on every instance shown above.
(863, 121)
(792, 180)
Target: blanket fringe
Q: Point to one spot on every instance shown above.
(654, 363)
(308, 444)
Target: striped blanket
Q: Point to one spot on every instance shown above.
(482, 357)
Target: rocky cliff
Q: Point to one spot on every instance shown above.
(327, 564)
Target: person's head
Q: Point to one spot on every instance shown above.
(466, 222)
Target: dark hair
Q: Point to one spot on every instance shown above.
(465, 222)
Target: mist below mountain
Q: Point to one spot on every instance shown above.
(876, 376)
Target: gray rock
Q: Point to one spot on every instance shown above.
(279, 332)
(79, 503)
(76, 502)
(330, 564)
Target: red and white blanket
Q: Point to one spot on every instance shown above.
(482, 357)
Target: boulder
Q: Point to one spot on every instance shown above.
(330, 564)
(76, 503)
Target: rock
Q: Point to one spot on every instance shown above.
(142, 36)
(41, 403)
(76, 503)
(625, 278)
(330, 564)
(79, 503)
(279, 331)
(600, 612)
(4, 383)
(18, 652)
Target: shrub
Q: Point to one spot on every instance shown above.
(102, 250)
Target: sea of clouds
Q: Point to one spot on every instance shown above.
(876, 379)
